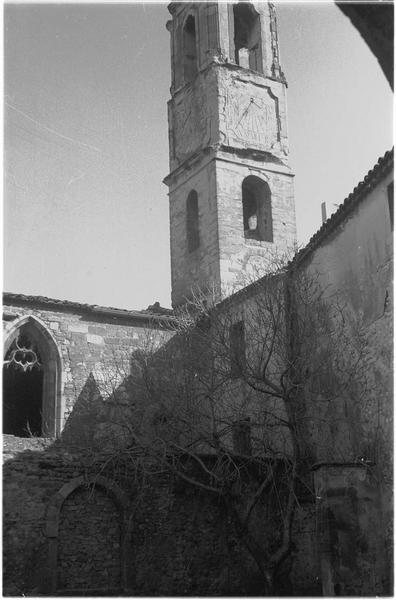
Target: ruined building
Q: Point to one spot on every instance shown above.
(248, 452)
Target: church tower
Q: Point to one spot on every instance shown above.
(230, 185)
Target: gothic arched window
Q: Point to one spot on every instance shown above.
(192, 224)
(190, 67)
(257, 209)
(31, 382)
(247, 37)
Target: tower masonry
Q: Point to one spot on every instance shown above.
(230, 185)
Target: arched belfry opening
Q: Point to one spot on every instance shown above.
(190, 66)
(247, 37)
(31, 381)
(257, 209)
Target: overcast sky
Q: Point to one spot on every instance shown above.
(86, 140)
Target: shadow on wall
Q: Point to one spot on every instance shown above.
(79, 520)
(64, 528)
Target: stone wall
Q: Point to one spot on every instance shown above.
(90, 345)
(78, 526)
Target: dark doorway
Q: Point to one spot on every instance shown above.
(22, 400)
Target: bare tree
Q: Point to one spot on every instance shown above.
(223, 404)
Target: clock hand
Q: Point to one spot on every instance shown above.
(187, 117)
(245, 111)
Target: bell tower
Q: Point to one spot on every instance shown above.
(230, 185)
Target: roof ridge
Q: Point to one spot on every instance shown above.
(359, 192)
(92, 308)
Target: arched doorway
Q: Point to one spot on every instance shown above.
(88, 536)
(32, 405)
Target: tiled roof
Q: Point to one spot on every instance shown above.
(383, 166)
(154, 311)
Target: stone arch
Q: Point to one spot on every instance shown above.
(247, 37)
(257, 209)
(190, 54)
(52, 408)
(53, 516)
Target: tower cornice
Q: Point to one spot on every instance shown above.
(218, 62)
(255, 159)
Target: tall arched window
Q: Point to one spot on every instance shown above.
(247, 37)
(190, 67)
(192, 225)
(31, 381)
(257, 209)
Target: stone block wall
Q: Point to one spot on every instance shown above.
(199, 268)
(91, 345)
(245, 260)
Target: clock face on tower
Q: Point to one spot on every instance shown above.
(252, 118)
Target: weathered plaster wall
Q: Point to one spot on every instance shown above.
(353, 266)
(352, 554)
(214, 24)
(193, 117)
(231, 106)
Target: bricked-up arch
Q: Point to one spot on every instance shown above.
(192, 221)
(247, 37)
(45, 380)
(257, 209)
(87, 533)
(190, 66)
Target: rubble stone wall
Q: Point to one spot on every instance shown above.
(67, 531)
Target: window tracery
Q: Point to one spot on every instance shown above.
(23, 354)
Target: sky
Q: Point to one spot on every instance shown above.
(86, 140)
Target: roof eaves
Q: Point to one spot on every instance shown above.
(94, 309)
(383, 166)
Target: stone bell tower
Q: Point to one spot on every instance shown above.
(230, 186)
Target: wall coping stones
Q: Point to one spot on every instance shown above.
(154, 314)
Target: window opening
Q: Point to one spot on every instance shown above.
(190, 50)
(247, 37)
(192, 221)
(32, 399)
(237, 349)
(390, 203)
(257, 209)
(22, 389)
(241, 437)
